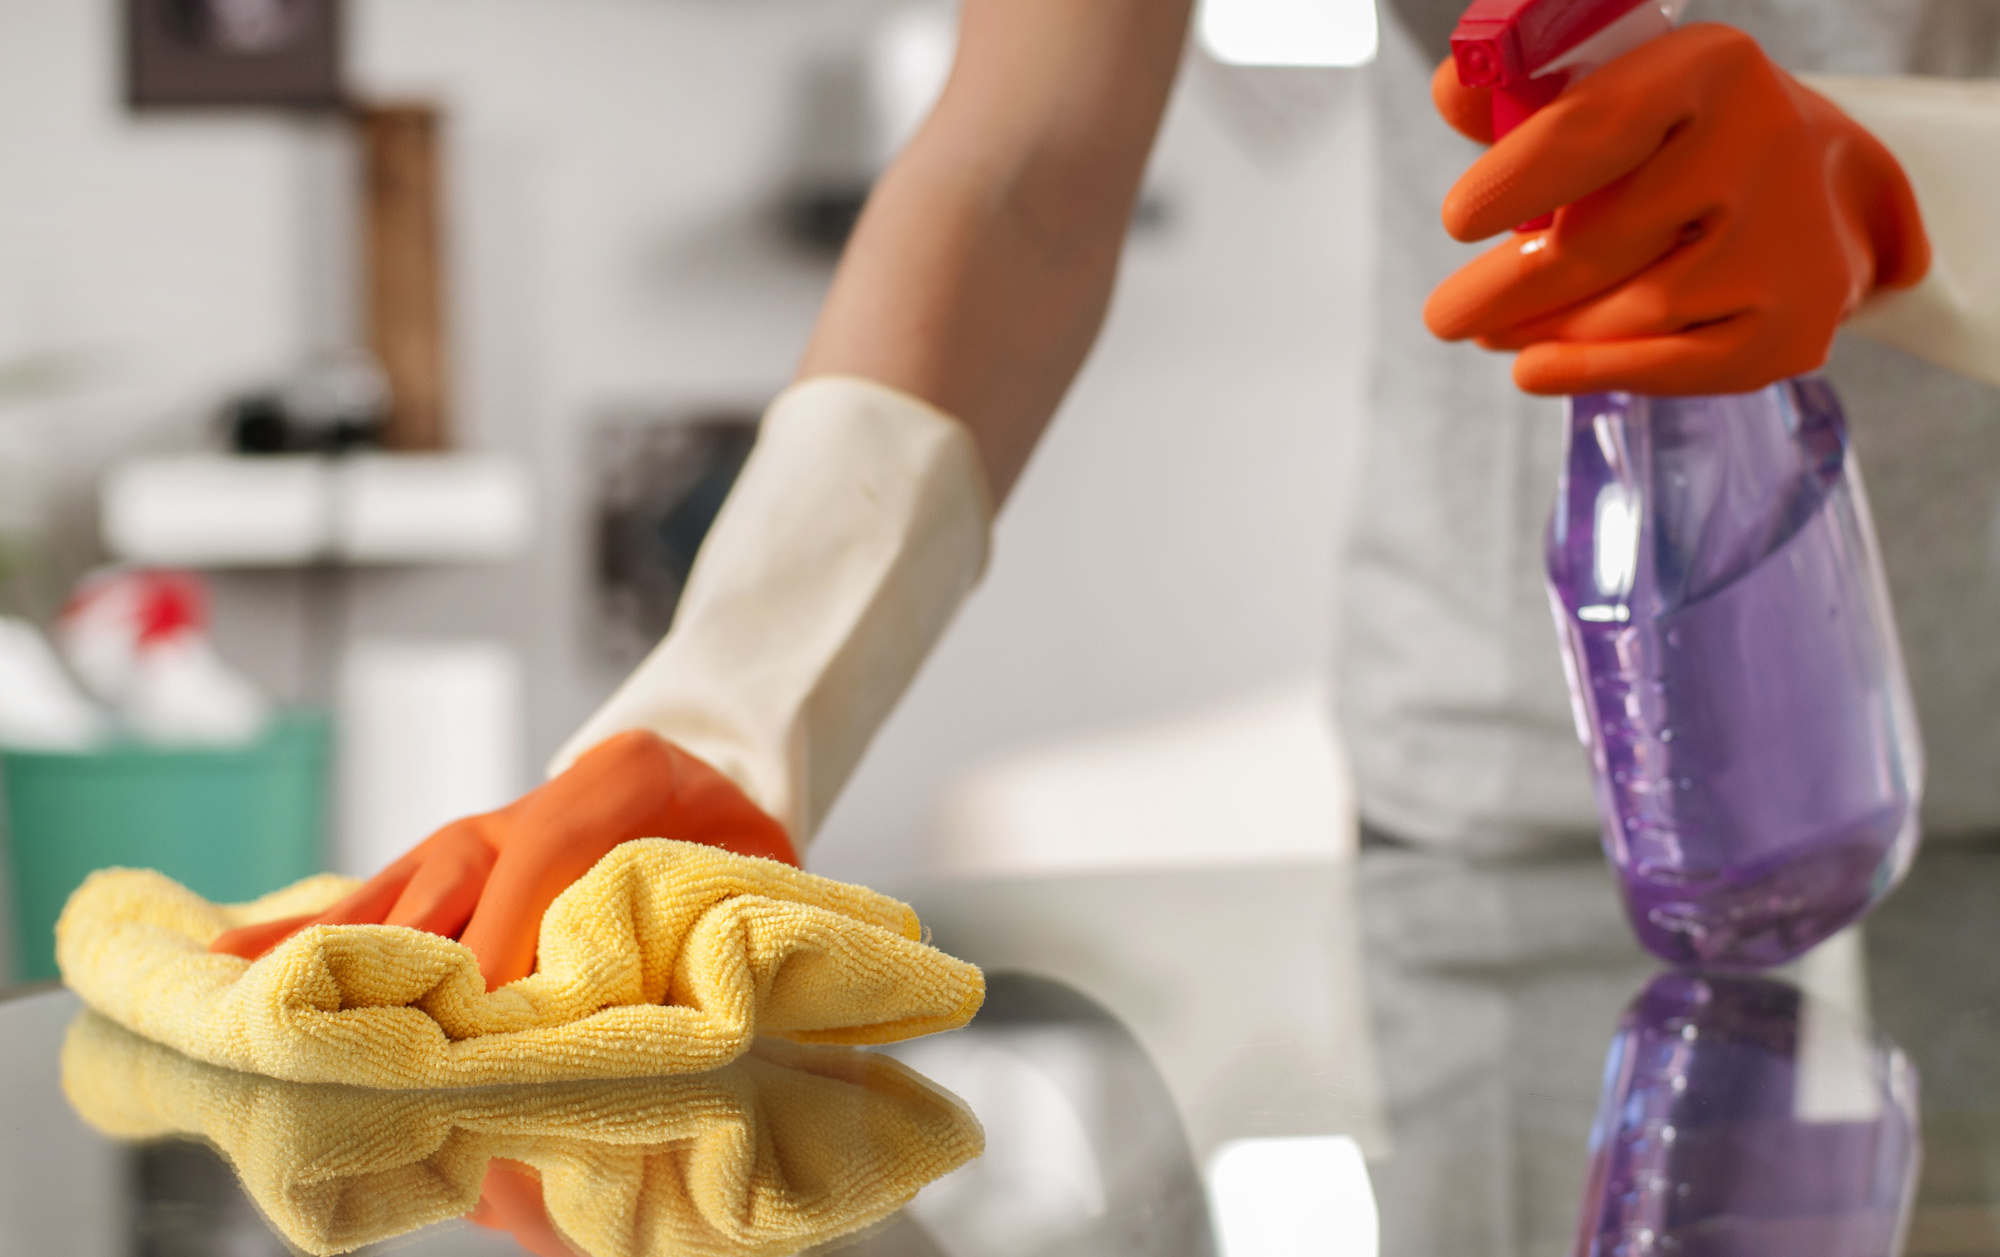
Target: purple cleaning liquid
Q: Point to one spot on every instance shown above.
(1740, 1116)
(1733, 668)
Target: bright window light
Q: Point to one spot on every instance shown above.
(1289, 32)
(1298, 1197)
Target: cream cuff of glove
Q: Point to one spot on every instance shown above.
(1946, 135)
(859, 523)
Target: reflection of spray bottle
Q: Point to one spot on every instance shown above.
(1743, 1115)
(1733, 664)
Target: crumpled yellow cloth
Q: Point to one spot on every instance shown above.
(666, 958)
(786, 1148)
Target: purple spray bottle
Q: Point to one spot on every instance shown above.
(1732, 660)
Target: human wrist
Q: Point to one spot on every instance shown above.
(857, 526)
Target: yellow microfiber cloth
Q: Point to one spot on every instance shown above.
(786, 1148)
(666, 958)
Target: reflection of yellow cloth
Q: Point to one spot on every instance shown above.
(666, 958)
(788, 1147)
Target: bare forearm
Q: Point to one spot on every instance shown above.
(980, 271)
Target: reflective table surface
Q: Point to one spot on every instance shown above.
(1400, 1053)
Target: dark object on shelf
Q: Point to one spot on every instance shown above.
(403, 209)
(823, 219)
(330, 407)
(259, 424)
(660, 483)
(282, 53)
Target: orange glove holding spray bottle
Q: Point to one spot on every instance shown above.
(1698, 224)
(1698, 220)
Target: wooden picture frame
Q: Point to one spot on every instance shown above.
(272, 53)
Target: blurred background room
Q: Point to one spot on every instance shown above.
(369, 372)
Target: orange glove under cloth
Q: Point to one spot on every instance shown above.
(486, 880)
(511, 1200)
(1715, 221)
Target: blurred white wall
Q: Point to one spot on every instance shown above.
(151, 260)
(612, 164)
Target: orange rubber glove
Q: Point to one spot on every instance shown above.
(511, 1200)
(1715, 221)
(486, 880)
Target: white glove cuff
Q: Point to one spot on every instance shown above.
(859, 523)
(1946, 135)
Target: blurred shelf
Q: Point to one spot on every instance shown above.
(219, 510)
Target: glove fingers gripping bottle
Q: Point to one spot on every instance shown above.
(1732, 660)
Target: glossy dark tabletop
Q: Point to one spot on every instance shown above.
(1170, 1062)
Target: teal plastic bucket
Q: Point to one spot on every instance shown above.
(228, 824)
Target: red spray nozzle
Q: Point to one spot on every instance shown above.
(1515, 47)
(1528, 51)
(1503, 43)
(1520, 48)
